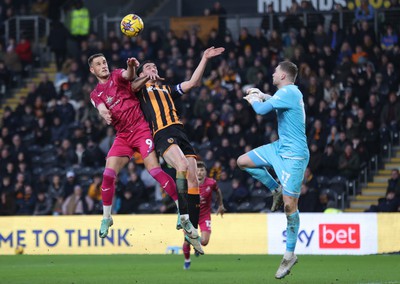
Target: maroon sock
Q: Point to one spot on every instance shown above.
(108, 186)
(186, 250)
(166, 182)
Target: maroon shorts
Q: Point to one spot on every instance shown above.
(138, 139)
(205, 223)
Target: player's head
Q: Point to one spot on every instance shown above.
(201, 171)
(98, 66)
(285, 73)
(147, 67)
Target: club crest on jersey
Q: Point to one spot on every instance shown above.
(109, 100)
(170, 140)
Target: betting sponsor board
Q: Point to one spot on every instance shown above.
(326, 233)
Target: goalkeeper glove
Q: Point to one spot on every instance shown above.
(259, 94)
(252, 98)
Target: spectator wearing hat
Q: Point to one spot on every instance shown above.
(69, 184)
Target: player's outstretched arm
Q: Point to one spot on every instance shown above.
(139, 82)
(131, 64)
(221, 209)
(195, 80)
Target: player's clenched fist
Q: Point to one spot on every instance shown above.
(132, 62)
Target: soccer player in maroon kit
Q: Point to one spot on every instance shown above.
(207, 187)
(118, 106)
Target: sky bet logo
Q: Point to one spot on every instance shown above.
(339, 236)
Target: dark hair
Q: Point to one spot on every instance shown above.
(200, 164)
(92, 57)
(140, 68)
(290, 69)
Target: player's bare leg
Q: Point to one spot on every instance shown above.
(175, 158)
(194, 201)
(205, 238)
(112, 168)
(293, 223)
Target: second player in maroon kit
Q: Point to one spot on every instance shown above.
(119, 107)
(207, 187)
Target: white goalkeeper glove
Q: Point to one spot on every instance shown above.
(256, 92)
(252, 98)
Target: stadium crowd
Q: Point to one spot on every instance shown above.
(53, 145)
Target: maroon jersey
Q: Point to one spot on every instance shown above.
(117, 96)
(206, 190)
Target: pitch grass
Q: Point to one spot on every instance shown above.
(243, 269)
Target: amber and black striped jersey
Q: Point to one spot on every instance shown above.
(157, 103)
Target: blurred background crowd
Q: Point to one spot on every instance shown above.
(53, 144)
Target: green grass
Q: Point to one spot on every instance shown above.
(118, 269)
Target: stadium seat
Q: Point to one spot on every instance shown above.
(260, 193)
(244, 207)
(339, 185)
(323, 182)
(49, 159)
(258, 199)
(28, 139)
(34, 149)
(332, 195)
(146, 208)
(37, 171)
(85, 173)
(36, 161)
(49, 172)
(49, 148)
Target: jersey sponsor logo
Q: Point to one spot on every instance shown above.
(114, 104)
(153, 88)
(100, 94)
(339, 236)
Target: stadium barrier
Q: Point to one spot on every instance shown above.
(347, 233)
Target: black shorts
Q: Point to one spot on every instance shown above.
(173, 134)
